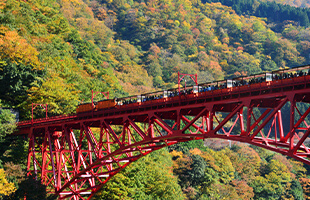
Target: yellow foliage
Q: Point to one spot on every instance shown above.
(195, 151)
(17, 50)
(74, 2)
(2, 5)
(60, 96)
(225, 40)
(192, 56)
(221, 163)
(177, 154)
(207, 22)
(186, 25)
(6, 188)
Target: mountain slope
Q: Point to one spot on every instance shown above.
(132, 47)
(56, 52)
(205, 38)
(296, 3)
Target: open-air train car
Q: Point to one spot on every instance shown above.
(222, 86)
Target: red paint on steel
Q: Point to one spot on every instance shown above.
(76, 155)
(34, 105)
(181, 76)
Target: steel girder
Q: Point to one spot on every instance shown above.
(74, 158)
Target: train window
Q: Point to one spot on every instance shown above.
(166, 93)
(268, 77)
(195, 89)
(140, 98)
(229, 83)
(119, 102)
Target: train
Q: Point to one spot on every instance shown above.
(192, 91)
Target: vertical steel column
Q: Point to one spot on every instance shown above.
(58, 163)
(248, 122)
(208, 122)
(109, 148)
(70, 146)
(240, 113)
(52, 158)
(29, 162)
(281, 131)
(151, 127)
(292, 120)
(178, 119)
(34, 156)
(44, 158)
(212, 113)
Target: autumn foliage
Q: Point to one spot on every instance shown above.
(56, 52)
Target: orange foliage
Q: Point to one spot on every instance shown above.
(283, 160)
(246, 162)
(15, 49)
(154, 49)
(305, 183)
(243, 190)
(188, 39)
(176, 154)
(196, 32)
(101, 14)
(195, 151)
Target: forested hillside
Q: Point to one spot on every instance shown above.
(131, 47)
(273, 11)
(297, 3)
(56, 52)
(241, 172)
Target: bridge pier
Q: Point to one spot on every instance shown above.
(76, 155)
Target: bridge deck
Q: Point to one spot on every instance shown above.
(75, 155)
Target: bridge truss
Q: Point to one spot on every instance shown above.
(76, 155)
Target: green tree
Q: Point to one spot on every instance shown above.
(148, 178)
(32, 189)
(7, 123)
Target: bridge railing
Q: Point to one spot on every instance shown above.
(42, 120)
(242, 88)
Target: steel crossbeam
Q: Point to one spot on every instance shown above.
(76, 156)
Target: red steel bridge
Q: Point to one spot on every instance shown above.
(76, 155)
